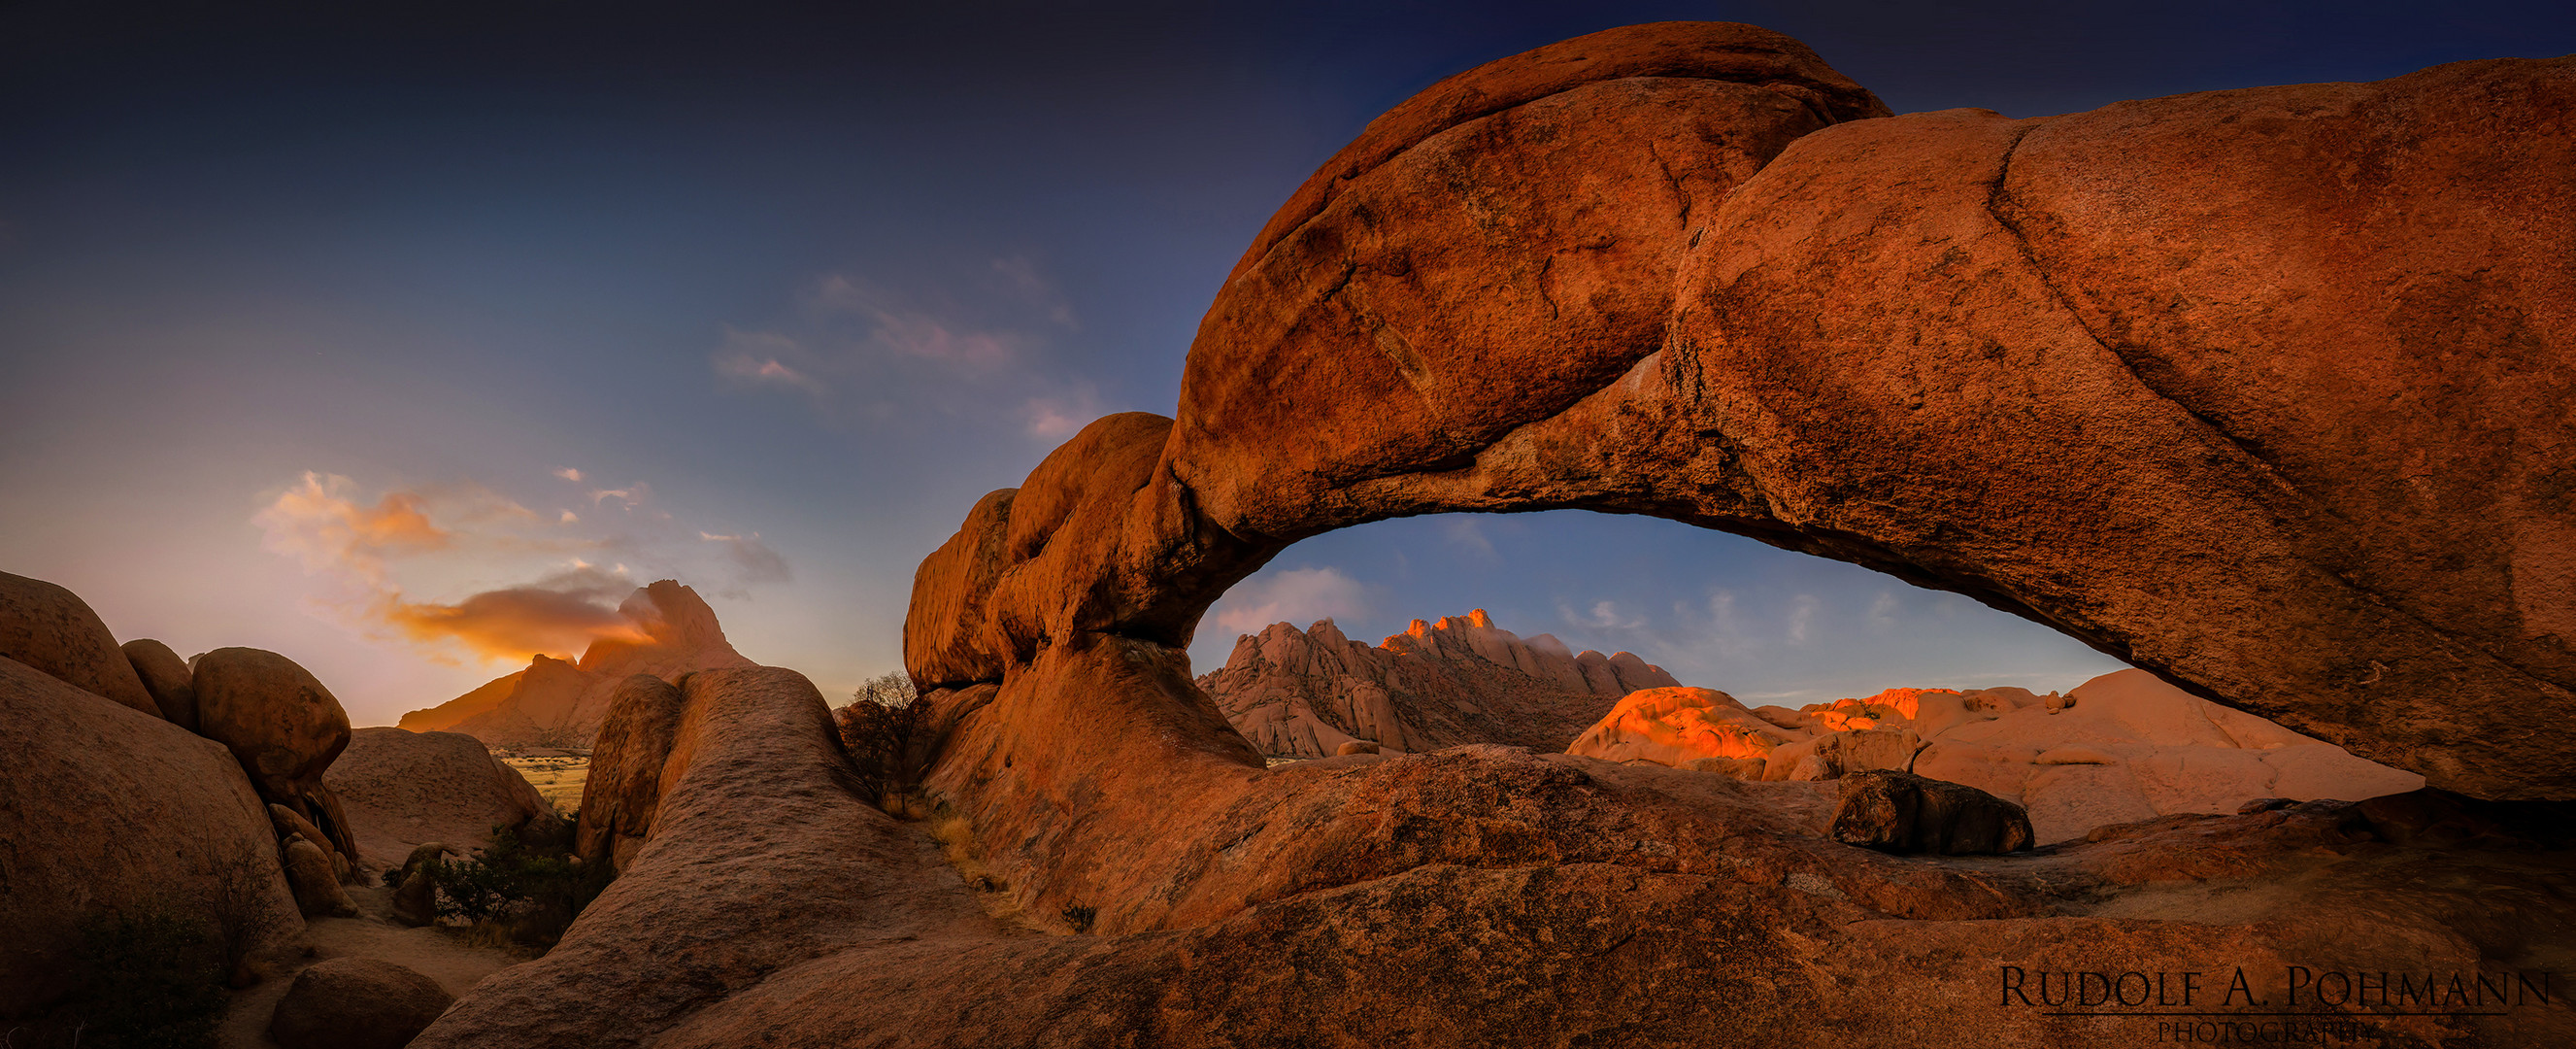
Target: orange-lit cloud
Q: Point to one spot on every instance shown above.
(559, 617)
(318, 523)
(479, 534)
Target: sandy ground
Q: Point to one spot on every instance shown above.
(557, 779)
(436, 953)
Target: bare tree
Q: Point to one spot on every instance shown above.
(890, 689)
(877, 727)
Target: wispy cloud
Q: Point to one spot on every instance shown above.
(569, 474)
(1603, 615)
(1297, 595)
(902, 327)
(869, 349)
(753, 561)
(318, 523)
(1468, 535)
(752, 359)
(1058, 416)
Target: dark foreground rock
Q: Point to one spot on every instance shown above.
(1903, 812)
(104, 808)
(356, 1003)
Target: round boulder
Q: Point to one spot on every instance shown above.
(282, 725)
(316, 882)
(356, 1003)
(166, 677)
(51, 629)
(1902, 812)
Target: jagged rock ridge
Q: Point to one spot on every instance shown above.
(1302, 694)
(562, 703)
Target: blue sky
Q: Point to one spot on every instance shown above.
(553, 299)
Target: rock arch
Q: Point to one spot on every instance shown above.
(2263, 390)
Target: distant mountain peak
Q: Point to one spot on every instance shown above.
(560, 701)
(1460, 679)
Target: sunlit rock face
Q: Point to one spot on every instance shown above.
(2120, 748)
(558, 702)
(2170, 401)
(1303, 694)
(2177, 401)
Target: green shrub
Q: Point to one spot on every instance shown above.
(528, 890)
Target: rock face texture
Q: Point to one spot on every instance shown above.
(106, 809)
(167, 679)
(2122, 747)
(554, 702)
(405, 789)
(356, 1003)
(53, 631)
(1301, 694)
(283, 726)
(1938, 345)
(1675, 270)
(624, 788)
(1558, 897)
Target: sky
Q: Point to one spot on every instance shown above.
(406, 343)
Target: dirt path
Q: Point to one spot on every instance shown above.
(432, 952)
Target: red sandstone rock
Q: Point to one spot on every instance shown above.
(52, 630)
(166, 678)
(1584, 295)
(105, 808)
(406, 789)
(624, 786)
(284, 728)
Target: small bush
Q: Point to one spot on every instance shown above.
(528, 891)
(878, 728)
(1080, 917)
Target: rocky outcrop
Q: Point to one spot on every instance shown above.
(1714, 299)
(315, 880)
(356, 1003)
(403, 789)
(1551, 894)
(167, 679)
(51, 630)
(1612, 274)
(106, 809)
(554, 702)
(1302, 694)
(1903, 812)
(284, 728)
(624, 787)
(415, 895)
(2121, 747)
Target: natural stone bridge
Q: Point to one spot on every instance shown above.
(2267, 391)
